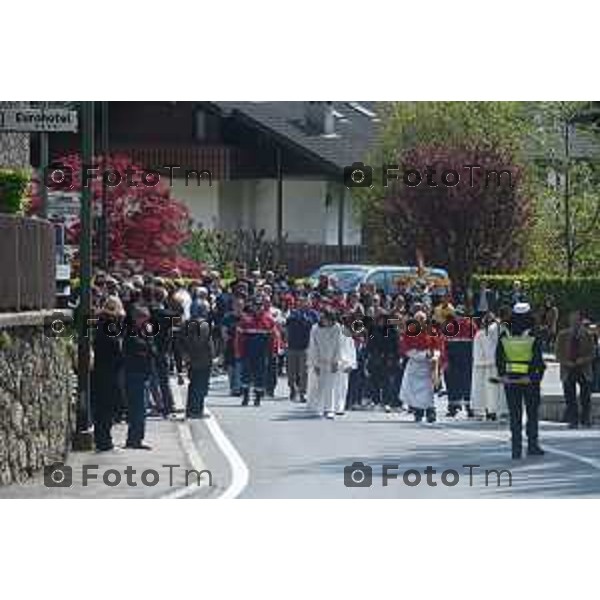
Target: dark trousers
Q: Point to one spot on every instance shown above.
(105, 397)
(120, 407)
(297, 371)
(356, 388)
(163, 372)
(135, 384)
(271, 372)
(516, 396)
(357, 381)
(381, 382)
(459, 371)
(254, 367)
(574, 378)
(396, 383)
(596, 375)
(197, 391)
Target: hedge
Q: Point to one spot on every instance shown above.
(13, 188)
(582, 293)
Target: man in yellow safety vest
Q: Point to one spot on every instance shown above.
(521, 367)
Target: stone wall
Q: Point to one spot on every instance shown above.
(14, 147)
(36, 397)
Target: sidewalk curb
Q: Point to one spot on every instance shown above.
(191, 451)
(239, 471)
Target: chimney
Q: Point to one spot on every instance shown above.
(319, 118)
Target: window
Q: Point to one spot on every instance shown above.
(379, 279)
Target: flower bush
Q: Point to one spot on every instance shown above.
(144, 223)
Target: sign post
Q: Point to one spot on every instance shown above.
(84, 436)
(43, 120)
(30, 120)
(44, 159)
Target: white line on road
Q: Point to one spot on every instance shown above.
(239, 471)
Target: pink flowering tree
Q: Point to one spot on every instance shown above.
(145, 224)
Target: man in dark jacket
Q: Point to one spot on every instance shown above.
(298, 326)
(521, 367)
(231, 363)
(108, 363)
(575, 351)
(139, 357)
(382, 358)
(166, 319)
(197, 350)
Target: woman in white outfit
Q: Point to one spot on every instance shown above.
(325, 354)
(424, 354)
(487, 398)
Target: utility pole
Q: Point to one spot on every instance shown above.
(568, 240)
(340, 221)
(44, 160)
(84, 436)
(104, 150)
(279, 207)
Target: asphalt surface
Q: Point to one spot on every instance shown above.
(280, 450)
(290, 454)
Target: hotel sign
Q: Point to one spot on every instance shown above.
(38, 119)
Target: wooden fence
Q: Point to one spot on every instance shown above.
(27, 264)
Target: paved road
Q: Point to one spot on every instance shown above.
(291, 455)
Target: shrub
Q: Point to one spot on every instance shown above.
(13, 188)
(581, 293)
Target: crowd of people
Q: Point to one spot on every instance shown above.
(363, 349)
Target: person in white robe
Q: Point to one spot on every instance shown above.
(348, 363)
(417, 390)
(487, 398)
(324, 361)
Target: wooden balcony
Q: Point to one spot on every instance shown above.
(219, 160)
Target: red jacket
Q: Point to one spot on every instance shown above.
(425, 341)
(255, 324)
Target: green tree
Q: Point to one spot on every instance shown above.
(564, 239)
(498, 129)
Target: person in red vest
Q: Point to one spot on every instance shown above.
(424, 347)
(256, 340)
(459, 331)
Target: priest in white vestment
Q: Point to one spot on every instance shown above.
(348, 363)
(324, 359)
(487, 398)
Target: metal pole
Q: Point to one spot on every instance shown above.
(567, 205)
(84, 437)
(104, 150)
(44, 160)
(341, 211)
(279, 209)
